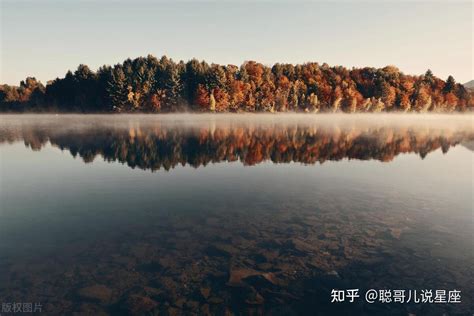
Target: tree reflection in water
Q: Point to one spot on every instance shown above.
(164, 144)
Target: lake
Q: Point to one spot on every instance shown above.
(235, 214)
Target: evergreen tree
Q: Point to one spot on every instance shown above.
(450, 85)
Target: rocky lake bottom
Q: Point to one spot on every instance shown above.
(133, 215)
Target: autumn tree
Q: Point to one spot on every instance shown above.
(148, 84)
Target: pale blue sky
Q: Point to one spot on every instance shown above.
(46, 38)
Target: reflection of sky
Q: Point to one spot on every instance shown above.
(51, 191)
(46, 38)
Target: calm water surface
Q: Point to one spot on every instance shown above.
(234, 215)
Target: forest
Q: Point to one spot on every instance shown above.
(152, 85)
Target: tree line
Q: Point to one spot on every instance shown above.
(149, 84)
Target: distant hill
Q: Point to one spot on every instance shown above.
(469, 85)
(469, 145)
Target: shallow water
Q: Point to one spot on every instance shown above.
(242, 214)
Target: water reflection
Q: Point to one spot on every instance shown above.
(273, 239)
(165, 144)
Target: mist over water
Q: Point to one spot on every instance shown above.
(149, 142)
(192, 119)
(243, 214)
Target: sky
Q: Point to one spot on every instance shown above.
(44, 39)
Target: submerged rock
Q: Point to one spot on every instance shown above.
(222, 250)
(238, 274)
(205, 292)
(205, 310)
(138, 305)
(253, 297)
(88, 309)
(237, 277)
(333, 273)
(301, 246)
(99, 293)
(215, 300)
